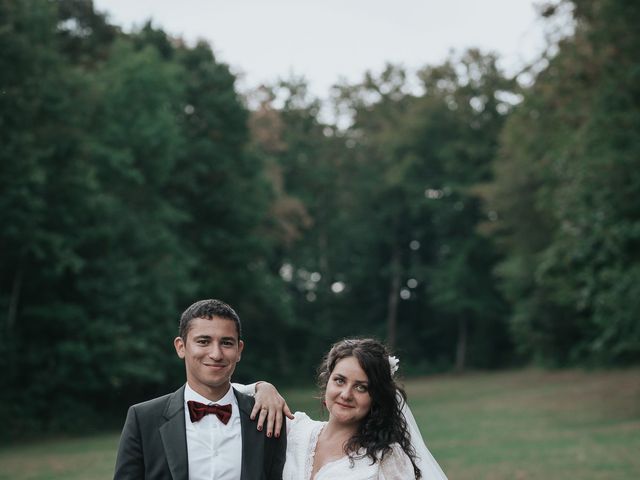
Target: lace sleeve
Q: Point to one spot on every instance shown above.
(246, 389)
(396, 465)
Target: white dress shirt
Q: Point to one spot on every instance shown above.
(214, 449)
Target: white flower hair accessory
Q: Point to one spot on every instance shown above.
(393, 364)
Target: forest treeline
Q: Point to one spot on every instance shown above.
(470, 218)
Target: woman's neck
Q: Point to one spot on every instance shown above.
(338, 430)
(331, 443)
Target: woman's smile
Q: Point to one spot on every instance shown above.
(347, 394)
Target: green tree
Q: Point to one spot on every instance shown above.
(91, 263)
(424, 155)
(566, 193)
(44, 184)
(224, 190)
(311, 221)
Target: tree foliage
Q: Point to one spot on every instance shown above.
(566, 192)
(469, 219)
(127, 193)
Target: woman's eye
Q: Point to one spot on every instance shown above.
(339, 381)
(362, 389)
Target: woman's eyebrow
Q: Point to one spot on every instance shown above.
(364, 382)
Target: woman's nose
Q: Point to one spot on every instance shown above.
(345, 393)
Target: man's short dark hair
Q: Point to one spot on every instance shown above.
(208, 309)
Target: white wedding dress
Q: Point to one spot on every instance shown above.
(302, 438)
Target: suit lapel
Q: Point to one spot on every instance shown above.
(252, 441)
(174, 436)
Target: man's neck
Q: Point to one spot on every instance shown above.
(213, 394)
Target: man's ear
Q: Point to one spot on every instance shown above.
(178, 342)
(240, 348)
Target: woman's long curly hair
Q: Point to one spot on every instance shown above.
(384, 424)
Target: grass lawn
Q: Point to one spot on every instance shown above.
(514, 425)
(532, 425)
(87, 458)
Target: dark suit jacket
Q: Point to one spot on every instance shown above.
(153, 445)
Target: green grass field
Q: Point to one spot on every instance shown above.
(515, 425)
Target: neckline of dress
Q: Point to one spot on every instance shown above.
(314, 444)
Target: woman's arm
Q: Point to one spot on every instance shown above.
(269, 405)
(396, 465)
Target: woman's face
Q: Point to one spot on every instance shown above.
(347, 394)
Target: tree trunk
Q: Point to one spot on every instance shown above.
(461, 347)
(323, 248)
(394, 295)
(14, 300)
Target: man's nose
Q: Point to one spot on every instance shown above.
(215, 352)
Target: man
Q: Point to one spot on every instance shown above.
(204, 430)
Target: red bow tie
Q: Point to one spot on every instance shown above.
(198, 410)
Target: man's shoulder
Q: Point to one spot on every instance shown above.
(245, 402)
(159, 403)
(243, 395)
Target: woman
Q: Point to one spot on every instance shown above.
(370, 433)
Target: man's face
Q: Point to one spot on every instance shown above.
(210, 352)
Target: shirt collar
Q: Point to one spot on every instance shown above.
(191, 394)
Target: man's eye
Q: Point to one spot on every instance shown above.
(228, 343)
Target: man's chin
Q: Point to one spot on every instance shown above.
(219, 382)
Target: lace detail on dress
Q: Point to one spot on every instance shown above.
(312, 450)
(302, 439)
(396, 465)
